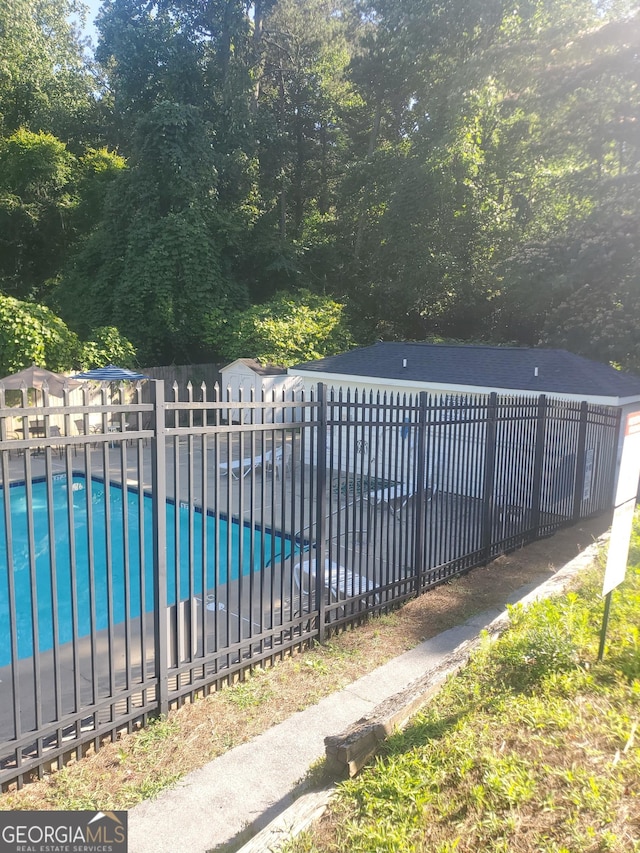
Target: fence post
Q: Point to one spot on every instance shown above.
(321, 486)
(159, 491)
(419, 519)
(538, 459)
(580, 459)
(489, 476)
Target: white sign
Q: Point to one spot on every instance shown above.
(618, 546)
(625, 502)
(630, 462)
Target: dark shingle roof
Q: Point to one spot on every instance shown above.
(504, 368)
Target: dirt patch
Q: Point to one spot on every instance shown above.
(140, 764)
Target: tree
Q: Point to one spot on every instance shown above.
(587, 286)
(303, 89)
(575, 284)
(486, 132)
(433, 166)
(96, 169)
(195, 55)
(149, 59)
(287, 329)
(107, 346)
(49, 198)
(36, 199)
(46, 83)
(152, 266)
(32, 334)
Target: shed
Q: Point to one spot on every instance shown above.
(246, 378)
(463, 370)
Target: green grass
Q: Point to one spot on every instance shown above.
(532, 748)
(73, 790)
(253, 691)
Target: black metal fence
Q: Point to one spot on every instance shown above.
(149, 550)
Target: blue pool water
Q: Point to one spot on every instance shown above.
(257, 545)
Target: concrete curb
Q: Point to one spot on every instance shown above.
(348, 752)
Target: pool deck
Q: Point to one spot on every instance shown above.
(131, 462)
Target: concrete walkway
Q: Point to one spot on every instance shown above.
(238, 794)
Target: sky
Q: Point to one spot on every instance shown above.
(94, 6)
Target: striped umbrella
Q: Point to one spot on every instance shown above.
(110, 373)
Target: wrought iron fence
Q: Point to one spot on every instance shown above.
(150, 550)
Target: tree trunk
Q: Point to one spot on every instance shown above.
(283, 191)
(375, 130)
(298, 193)
(283, 213)
(373, 141)
(323, 194)
(258, 30)
(225, 42)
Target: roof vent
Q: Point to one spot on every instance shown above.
(404, 362)
(535, 371)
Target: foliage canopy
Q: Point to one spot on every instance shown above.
(33, 334)
(460, 169)
(288, 329)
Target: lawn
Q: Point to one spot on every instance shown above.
(533, 748)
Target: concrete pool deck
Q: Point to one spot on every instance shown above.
(247, 792)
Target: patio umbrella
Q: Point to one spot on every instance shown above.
(110, 373)
(36, 377)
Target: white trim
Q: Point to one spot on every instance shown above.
(338, 379)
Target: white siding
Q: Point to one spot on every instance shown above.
(239, 382)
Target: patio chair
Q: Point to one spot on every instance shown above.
(116, 426)
(341, 582)
(80, 430)
(282, 459)
(393, 498)
(54, 432)
(242, 467)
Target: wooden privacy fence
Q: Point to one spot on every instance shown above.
(149, 550)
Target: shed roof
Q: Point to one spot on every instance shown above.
(257, 367)
(507, 369)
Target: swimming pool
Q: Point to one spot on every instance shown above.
(108, 532)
